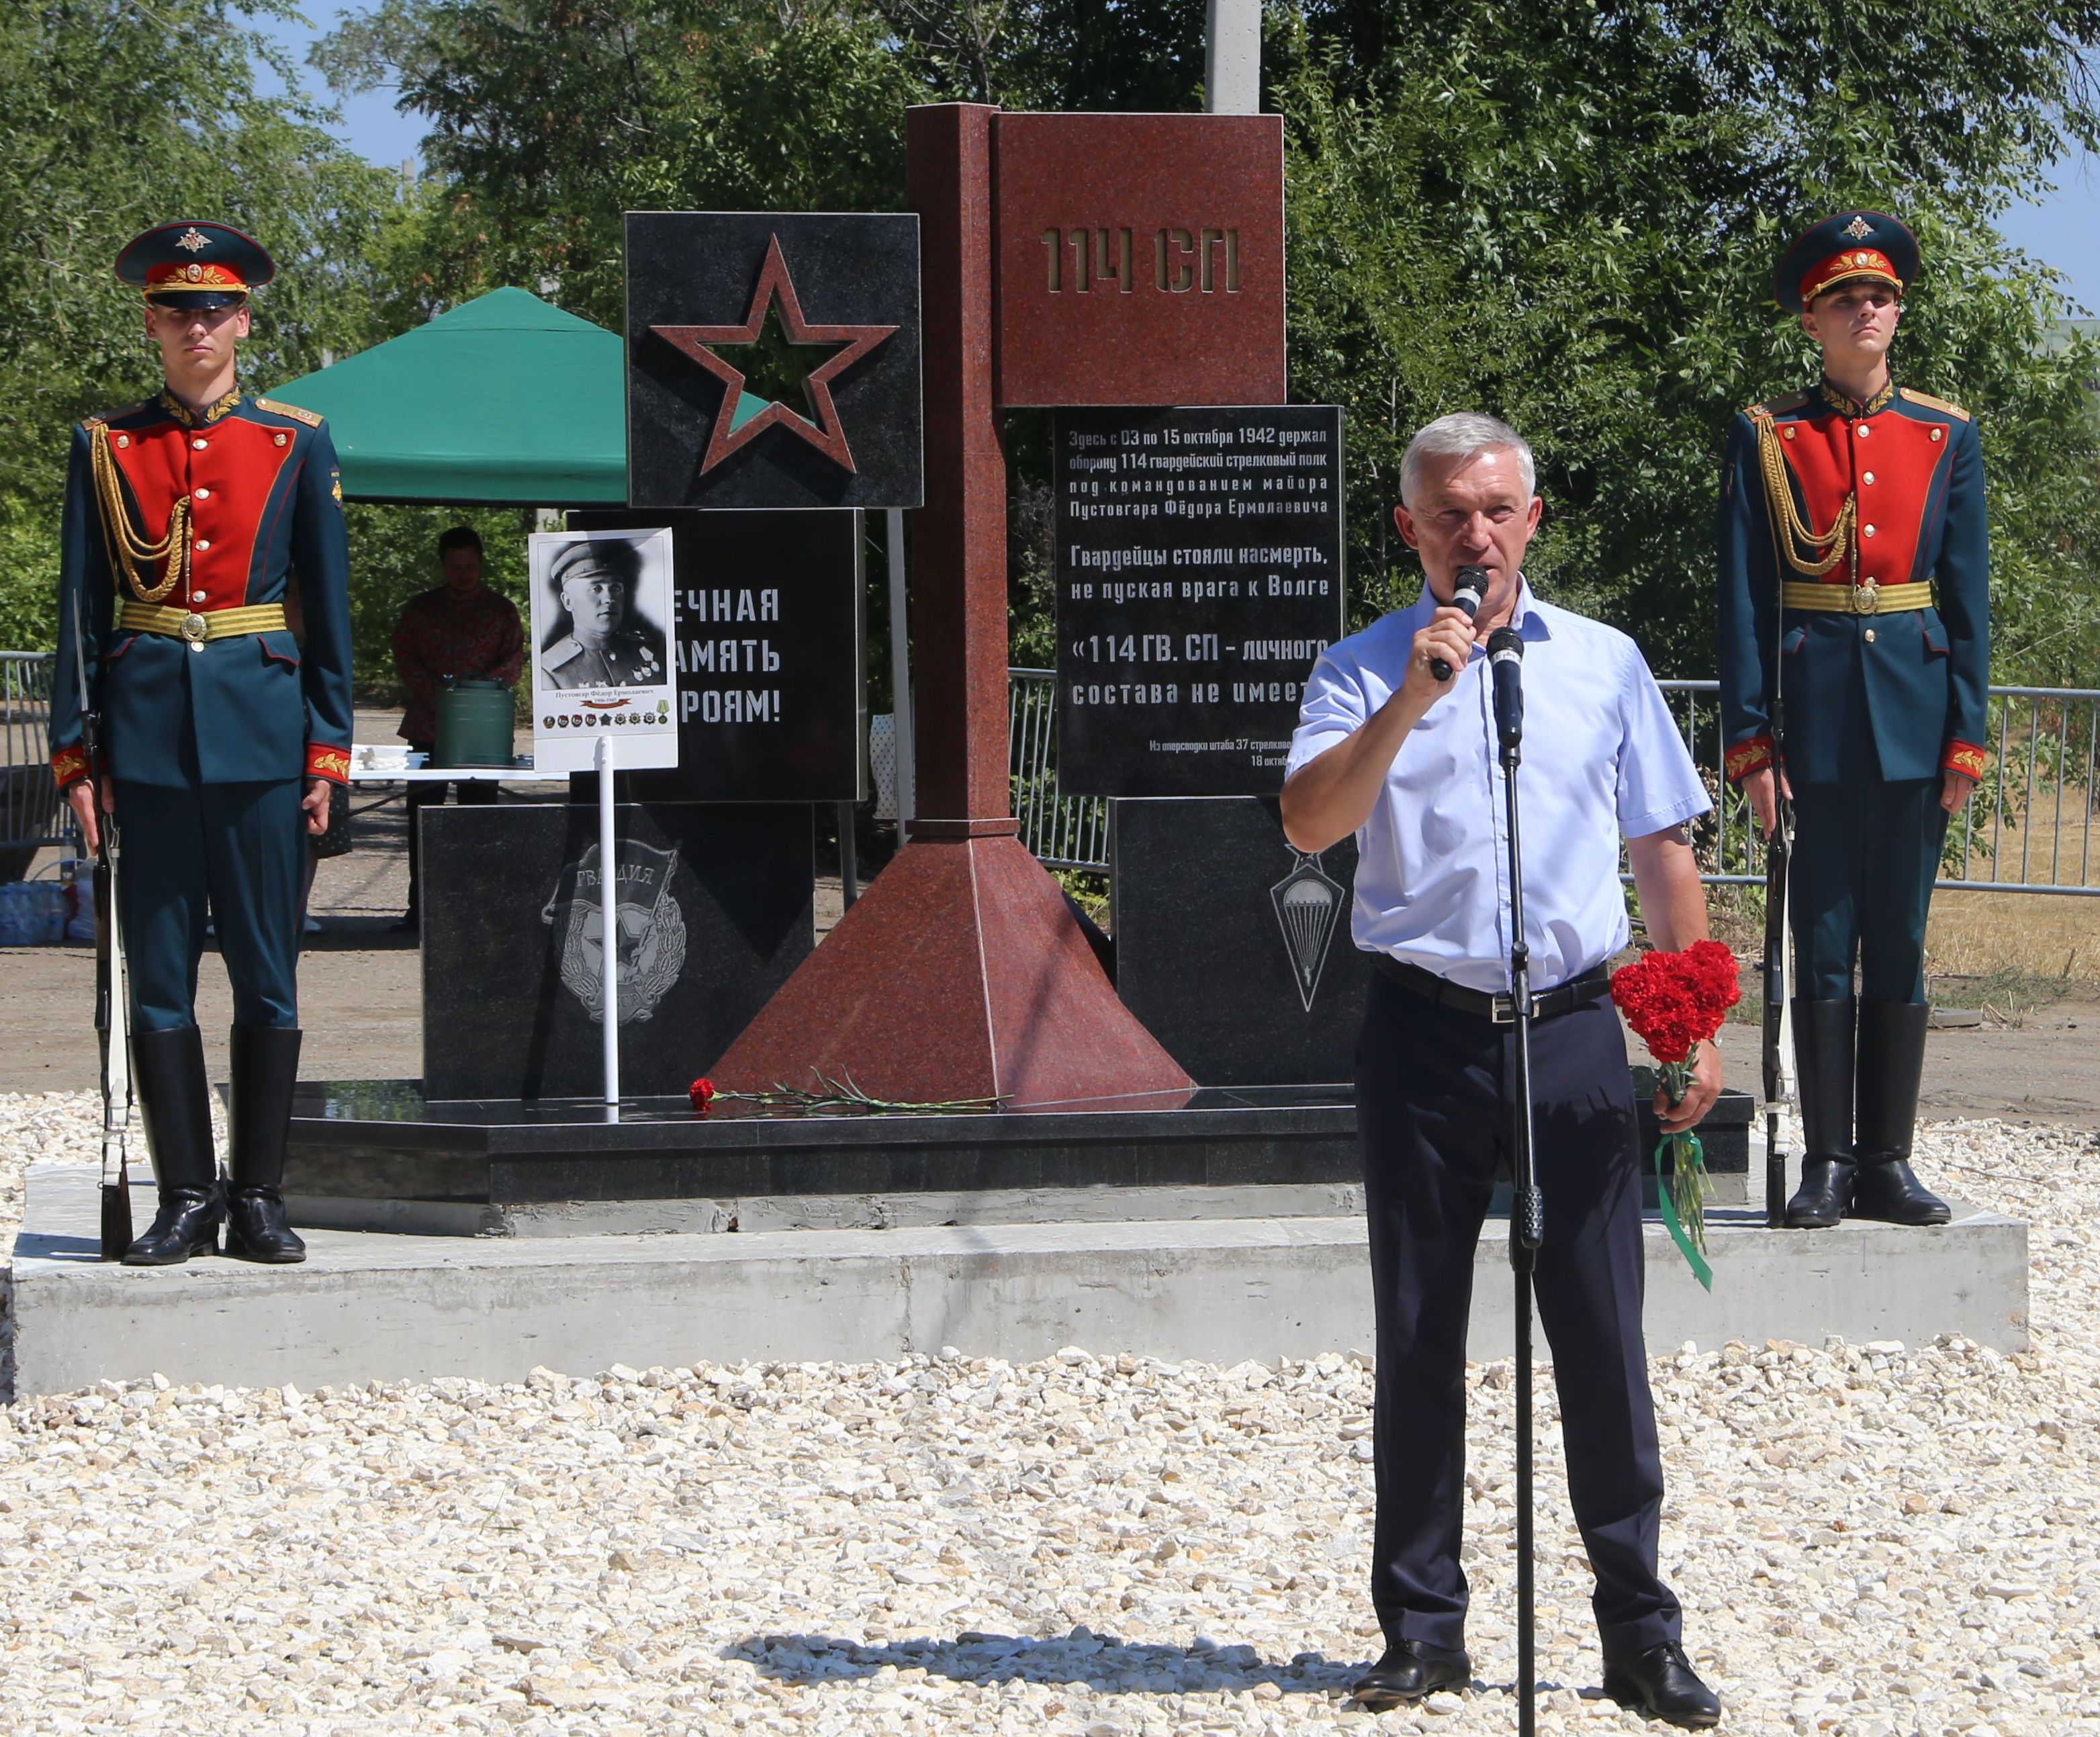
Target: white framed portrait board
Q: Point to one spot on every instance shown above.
(603, 666)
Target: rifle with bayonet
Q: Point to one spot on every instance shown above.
(1779, 851)
(112, 1001)
(112, 1023)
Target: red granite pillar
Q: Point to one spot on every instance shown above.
(959, 537)
(960, 972)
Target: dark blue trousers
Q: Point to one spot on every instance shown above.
(1865, 856)
(232, 854)
(1433, 1105)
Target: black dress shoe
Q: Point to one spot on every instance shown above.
(187, 1224)
(1409, 1670)
(1661, 1683)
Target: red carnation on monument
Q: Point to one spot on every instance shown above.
(1675, 1001)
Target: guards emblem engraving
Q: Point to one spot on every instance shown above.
(1308, 907)
(651, 929)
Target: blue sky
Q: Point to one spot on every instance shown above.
(2060, 230)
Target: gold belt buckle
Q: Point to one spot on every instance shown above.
(192, 631)
(1867, 598)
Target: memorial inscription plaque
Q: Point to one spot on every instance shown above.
(773, 359)
(768, 621)
(1199, 574)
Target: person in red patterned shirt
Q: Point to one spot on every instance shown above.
(459, 630)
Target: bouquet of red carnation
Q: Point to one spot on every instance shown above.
(1674, 1001)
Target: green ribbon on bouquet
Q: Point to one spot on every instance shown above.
(1682, 1195)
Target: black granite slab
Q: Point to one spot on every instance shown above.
(770, 624)
(716, 907)
(1724, 1135)
(1199, 558)
(383, 1140)
(1232, 948)
(363, 1139)
(692, 269)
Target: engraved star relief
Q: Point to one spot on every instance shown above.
(776, 288)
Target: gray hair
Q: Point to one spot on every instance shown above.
(1460, 435)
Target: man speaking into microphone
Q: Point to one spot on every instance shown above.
(1396, 743)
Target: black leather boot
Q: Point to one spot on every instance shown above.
(174, 1101)
(1822, 1039)
(266, 1067)
(1892, 1063)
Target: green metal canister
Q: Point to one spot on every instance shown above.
(474, 724)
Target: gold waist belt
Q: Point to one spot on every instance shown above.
(1869, 599)
(194, 629)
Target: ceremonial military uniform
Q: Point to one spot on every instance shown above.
(183, 533)
(1855, 655)
(631, 658)
(595, 578)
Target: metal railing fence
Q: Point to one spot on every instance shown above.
(31, 815)
(2031, 827)
(1062, 831)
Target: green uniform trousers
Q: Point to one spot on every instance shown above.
(1865, 856)
(231, 854)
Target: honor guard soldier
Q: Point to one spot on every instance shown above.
(188, 518)
(1855, 672)
(607, 645)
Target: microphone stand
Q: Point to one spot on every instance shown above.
(1527, 1206)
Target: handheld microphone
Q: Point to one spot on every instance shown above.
(1506, 661)
(1472, 584)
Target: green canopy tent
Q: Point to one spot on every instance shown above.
(505, 401)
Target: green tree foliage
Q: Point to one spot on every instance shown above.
(1567, 213)
(646, 105)
(117, 117)
(1564, 211)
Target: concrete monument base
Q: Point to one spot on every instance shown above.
(370, 1306)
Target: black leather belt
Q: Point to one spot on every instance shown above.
(1500, 1010)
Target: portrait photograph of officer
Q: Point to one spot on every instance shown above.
(599, 610)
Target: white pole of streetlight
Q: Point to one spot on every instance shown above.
(1231, 57)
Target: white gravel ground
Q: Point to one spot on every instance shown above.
(1868, 1540)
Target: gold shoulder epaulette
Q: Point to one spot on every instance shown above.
(1792, 401)
(1930, 402)
(310, 418)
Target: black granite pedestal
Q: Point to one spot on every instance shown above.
(382, 1140)
(715, 909)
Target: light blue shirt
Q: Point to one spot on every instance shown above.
(1602, 758)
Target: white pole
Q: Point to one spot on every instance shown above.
(902, 734)
(608, 927)
(1231, 57)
